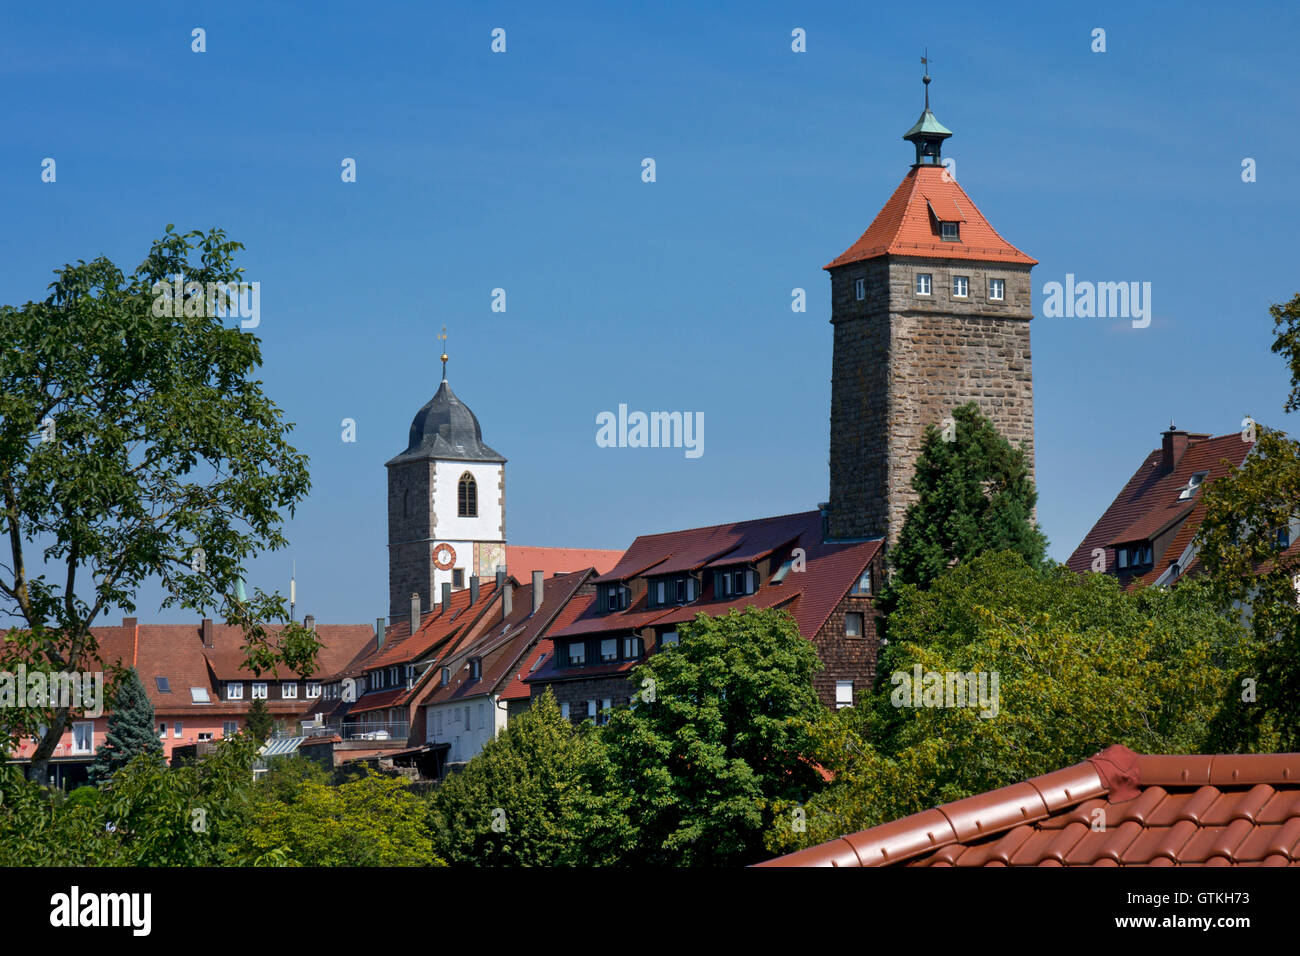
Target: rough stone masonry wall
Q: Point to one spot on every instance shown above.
(919, 357)
(410, 533)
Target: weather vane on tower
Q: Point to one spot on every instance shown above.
(925, 61)
(443, 337)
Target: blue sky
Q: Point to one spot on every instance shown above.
(522, 171)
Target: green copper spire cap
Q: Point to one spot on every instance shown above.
(928, 125)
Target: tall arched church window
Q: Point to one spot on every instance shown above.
(468, 496)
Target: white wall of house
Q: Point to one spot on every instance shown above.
(446, 723)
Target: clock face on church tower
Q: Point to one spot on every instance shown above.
(444, 556)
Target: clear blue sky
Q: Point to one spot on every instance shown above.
(522, 170)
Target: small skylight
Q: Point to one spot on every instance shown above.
(1194, 482)
(781, 572)
(163, 686)
(199, 695)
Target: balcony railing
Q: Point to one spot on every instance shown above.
(390, 730)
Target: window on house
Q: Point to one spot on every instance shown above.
(1121, 558)
(843, 693)
(923, 283)
(289, 690)
(564, 710)
(83, 737)
(960, 286)
(577, 653)
(164, 686)
(467, 498)
(205, 735)
(199, 695)
(614, 597)
(439, 724)
(475, 668)
(1193, 483)
(446, 676)
(457, 577)
(860, 289)
(229, 728)
(313, 689)
(608, 649)
(863, 584)
(1284, 538)
(259, 690)
(853, 624)
(480, 715)
(631, 648)
(669, 639)
(162, 729)
(949, 231)
(176, 729)
(606, 706)
(997, 290)
(235, 691)
(467, 716)
(591, 709)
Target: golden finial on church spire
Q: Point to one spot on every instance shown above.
(443, 337)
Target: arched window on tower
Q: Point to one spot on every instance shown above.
(468, 496)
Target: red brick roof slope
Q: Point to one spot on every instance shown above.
(504, 643)
(516, 689)
(1181, 810)
(908, 225)
(832, 567)
(1149, 504)
(340, 645)
(522, 560)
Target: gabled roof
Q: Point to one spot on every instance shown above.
(1184, 810)
(502, 645)
(832, 567)
(436, 626)
(906, 226)
(1149, 504)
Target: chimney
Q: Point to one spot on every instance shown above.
(415, 611)
(309, 622)
(473, 589)
(507, 600)
(130, 622)
(501, 578)
(209, 632)
(379, 633)
(1173, 444)
(446, 597)
(539, 586)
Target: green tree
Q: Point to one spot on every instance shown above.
(136, 442)
(370, 821)
(1080, 664)
(717, 738)
(259, 722)
(975, 496)
(131, 730)
(1250, 514)
(539, 794)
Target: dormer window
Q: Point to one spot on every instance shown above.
(734, 583)
(475, 668)
(1193, 483)
(668, 591)
(1134, 557)
(614, 597)
(948, 232)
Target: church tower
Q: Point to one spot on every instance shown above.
(446, 505)
(931, 310)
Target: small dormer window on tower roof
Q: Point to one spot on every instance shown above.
(950, 231)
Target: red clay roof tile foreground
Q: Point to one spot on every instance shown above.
(1180, 810)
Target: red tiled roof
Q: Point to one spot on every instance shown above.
(810, 595)
(1185, 810)
(504, 643)
(1149, 504)
(535, 660)
(522, 560)
(905, 226)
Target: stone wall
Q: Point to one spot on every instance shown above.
(904, 361)
(410, 537)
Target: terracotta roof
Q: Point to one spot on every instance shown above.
(522, 560)
(1149, 505)
(1185, 810)
(906, 227)
(502, 645)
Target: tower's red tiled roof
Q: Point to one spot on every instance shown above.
(523, 560)
(908, 225)
(1184, 810)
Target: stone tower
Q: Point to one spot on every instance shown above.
(446, 505)
(931, 309)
